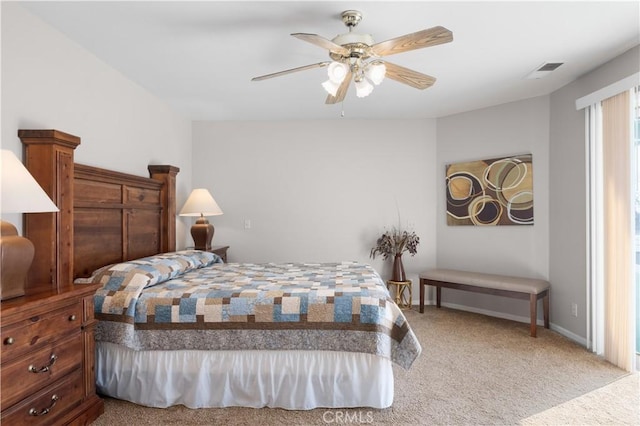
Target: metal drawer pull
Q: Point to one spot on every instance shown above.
(72, 318)
(8, 341)
(34, 412)
(52, 360)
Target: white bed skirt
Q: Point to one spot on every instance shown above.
(295, 380)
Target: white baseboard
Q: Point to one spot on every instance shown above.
(560, 330)
(569, 335)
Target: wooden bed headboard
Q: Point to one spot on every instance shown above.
(105, 216)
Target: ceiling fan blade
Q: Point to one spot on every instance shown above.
(323, 42)
(342, 90)
(425, 38)
(409, 77)
(292, 70)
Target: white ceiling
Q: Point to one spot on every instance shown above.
(200, 56)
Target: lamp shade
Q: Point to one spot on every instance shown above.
(200, 203)
(20, 193)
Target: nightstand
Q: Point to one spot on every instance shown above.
(403, 293)
(220, 251)
(48, 358)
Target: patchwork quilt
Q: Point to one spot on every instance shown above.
(191, 300)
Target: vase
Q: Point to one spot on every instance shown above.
(398, 269)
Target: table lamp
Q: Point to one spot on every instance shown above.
(20, 193)
(201, 203)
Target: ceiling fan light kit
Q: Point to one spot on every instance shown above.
(364, 75)
(356, 57)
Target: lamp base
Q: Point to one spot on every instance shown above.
(202, 233)
(16, 255)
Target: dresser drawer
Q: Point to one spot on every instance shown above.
(50, 362)
(48, 405)
(24, 335)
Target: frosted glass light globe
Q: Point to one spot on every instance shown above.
(363, 88)
(331, 87)
(337, 71)
(376, 72)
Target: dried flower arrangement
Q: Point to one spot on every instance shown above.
(392, 244)
(395, 242)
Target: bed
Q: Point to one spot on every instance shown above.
(182, 327)
(295, 336)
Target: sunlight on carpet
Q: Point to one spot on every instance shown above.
(597, 407)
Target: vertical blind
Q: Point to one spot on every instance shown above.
(618, 266)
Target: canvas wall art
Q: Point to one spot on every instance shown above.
(498, 191)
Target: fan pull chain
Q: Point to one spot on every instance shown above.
(342, 112)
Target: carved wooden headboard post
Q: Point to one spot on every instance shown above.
(49, 158)
(167, 175)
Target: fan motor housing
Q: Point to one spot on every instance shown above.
(358, 44)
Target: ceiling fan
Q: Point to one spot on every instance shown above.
(356, 56)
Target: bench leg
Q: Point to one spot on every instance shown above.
(422, 290)
(545, 309)
(438, 296)
(533, 301)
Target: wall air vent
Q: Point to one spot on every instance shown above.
(544, 70)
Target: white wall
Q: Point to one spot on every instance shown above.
(318, 190)
(49, 82)
(509, 129)
(568, 241)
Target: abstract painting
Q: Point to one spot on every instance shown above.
(491, 192)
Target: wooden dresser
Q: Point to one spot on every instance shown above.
(47, 359)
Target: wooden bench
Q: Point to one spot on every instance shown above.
(500, 285)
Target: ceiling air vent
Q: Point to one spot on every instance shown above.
(544, 70)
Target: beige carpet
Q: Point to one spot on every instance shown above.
(473, 370)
